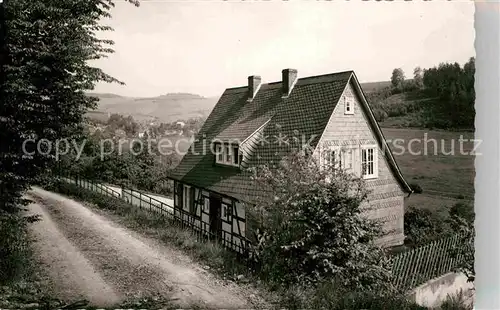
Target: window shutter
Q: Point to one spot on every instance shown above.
(347, 159)
(356, 162)
(323, 158)
(363, 161)
(340, 159)
(235, 155)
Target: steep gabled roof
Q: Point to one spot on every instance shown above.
(292, 121)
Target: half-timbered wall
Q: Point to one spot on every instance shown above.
(189, 205)
(232, 215)
(239, 224)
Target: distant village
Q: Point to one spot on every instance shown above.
(109, 125)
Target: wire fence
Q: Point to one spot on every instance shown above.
(409, 269)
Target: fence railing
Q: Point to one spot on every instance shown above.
(102, 189)
(419, 265)
(142, 200)
(183, 218)
(409, 269)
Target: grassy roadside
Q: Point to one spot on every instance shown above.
(21, 284)
(24, 283)
(211, 256)
(224, 263)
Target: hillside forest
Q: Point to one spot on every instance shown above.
(441, 97)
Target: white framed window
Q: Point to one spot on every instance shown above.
(186, 197)
(219, 153)
(226, 212)
(330, 156)
(369, 162)
(327, 157)
(347, 159)
(343, 157)
(227, 155)
(206, 205)
(348, 105)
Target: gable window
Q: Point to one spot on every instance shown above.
(347, 159)
(227, 155)
(326, 158)
(331, 157)
(348, 105)
(369, 165)
(344, 157)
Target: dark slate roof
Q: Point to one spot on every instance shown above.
(299, 118)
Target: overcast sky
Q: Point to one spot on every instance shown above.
(204, 47)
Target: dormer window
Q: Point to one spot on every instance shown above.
(227, 151)
(348, 105)
(219, 153)
(227, 155)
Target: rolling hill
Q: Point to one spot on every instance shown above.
(170, 107)
(164, 108)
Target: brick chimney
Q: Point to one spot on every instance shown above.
(289, 78)
(254, 82)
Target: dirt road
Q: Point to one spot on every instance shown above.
(88, 256)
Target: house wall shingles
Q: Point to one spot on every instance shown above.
(386, 200)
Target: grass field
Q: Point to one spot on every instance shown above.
(374, 86)
(445, 179)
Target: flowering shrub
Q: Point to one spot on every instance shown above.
(312, 228)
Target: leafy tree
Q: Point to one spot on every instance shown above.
(380, 115)
(463, 210)
(418, 77)
(423, 226)
(144, 169)
(45, 51)
(454, 86)
(313, 227)
(464, 250)
(462, 221)
(397, 78)
(46, 72)
(127, 124)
